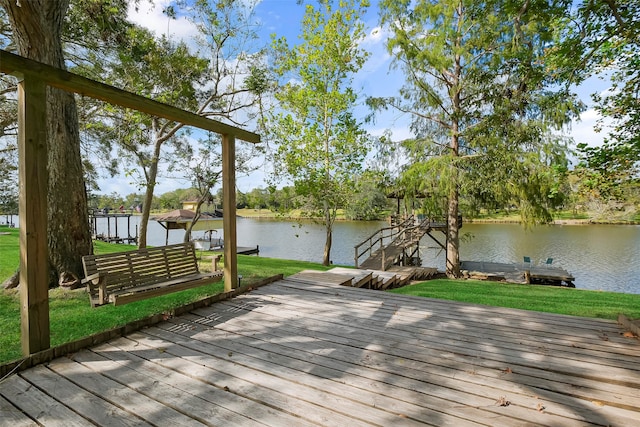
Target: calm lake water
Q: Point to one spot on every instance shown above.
(600, 257)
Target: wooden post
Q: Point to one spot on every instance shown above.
(34, 259)
(229, 212)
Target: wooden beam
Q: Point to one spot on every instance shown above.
(11, 63)
(34, 260)
(32, 139)
(229, 212)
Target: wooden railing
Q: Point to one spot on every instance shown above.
(407, 233)
(382, 238)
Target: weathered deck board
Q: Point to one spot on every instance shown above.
(12, 416)
(374, 262)
(80, 401)
(351, 343)
(309, 351)
(359, 278)
(122, 393)
(43, 408)
(313, 276)
(210, 405)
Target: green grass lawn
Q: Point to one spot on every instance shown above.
(553, 299)
(9, 253)
(73, 318)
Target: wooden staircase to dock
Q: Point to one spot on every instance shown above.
(395, 277)
(396, 245)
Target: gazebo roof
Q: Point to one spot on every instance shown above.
(176, 215)
(180, 218)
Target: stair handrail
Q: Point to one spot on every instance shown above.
(415, 232)
(379, 237)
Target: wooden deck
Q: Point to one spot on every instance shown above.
(302, 353)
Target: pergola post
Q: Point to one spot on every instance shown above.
(229, 212)
(33, 178)
(32, 141)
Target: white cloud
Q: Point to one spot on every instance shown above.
(151, 16)
(397, 133)
(377, 36)
(583, 131)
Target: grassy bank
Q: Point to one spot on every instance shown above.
(293, 214)
(575, 302)
(72, 316)
(9, 253)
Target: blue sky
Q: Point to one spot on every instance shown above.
(283, 18)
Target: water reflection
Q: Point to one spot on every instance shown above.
(605, 257)
(600, 257)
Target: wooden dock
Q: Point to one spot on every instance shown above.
(397, 245)
(240, 250)
(110, 237)
(303, 352)
(248, 250)
(517, 273)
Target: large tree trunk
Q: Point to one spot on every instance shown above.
(326, 258)
(453, 238)
(37, 27)
(146, 213)
(196, 217)
(151, 176)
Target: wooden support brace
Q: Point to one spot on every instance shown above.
(34, 256)
(214, 262)
(229, 215)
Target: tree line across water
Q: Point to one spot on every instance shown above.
(369, 202)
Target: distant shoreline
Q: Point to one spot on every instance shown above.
(554, 222)
(266, 214)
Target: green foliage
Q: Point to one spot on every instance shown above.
(8, 184)
(369, 202)
(601, 37)
(149, 66)
(483, 112)
(320, 144)
(218, 77)
(8, 116)
(93, 25)
(173, 199)
(611, 170)
(479, 98)
(277, 200)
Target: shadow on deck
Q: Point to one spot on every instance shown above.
(305, 351)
